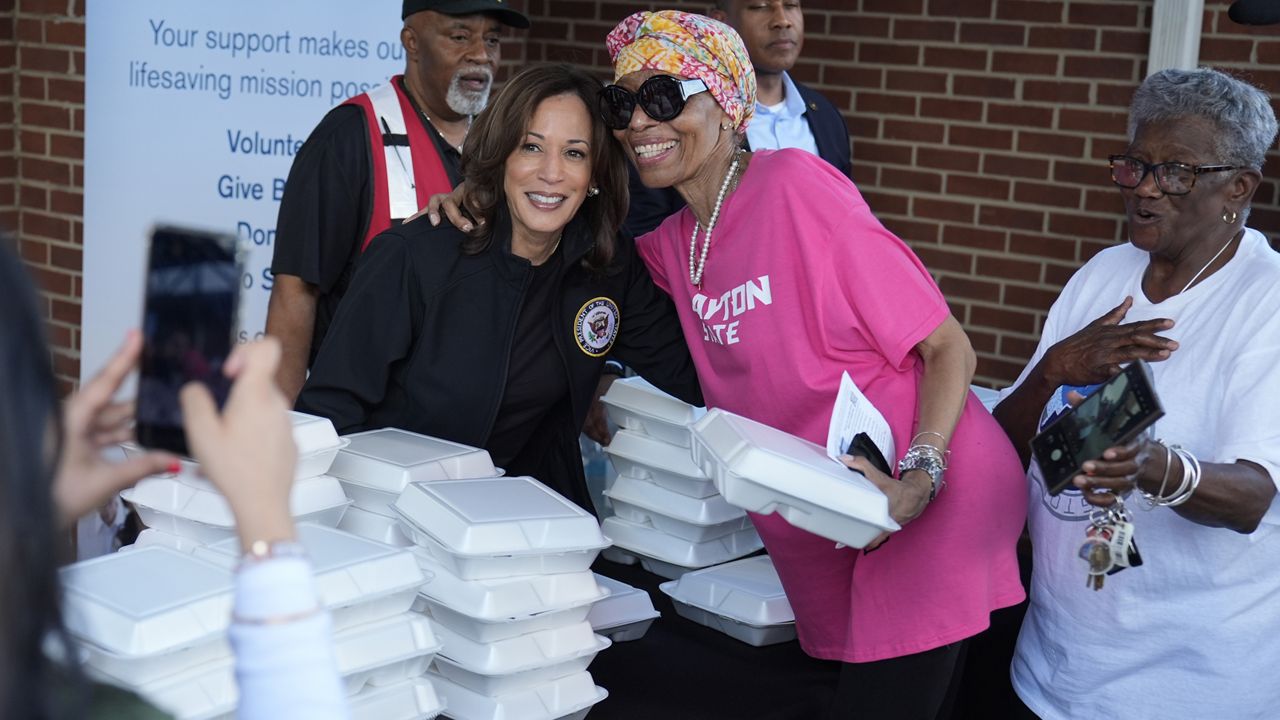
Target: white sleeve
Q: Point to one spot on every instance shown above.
(1247, 429)
(285, 670)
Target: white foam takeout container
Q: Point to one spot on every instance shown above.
(372, 526)
(317, 442)
(499, 527)
(566, 698)
(693, 519)
(358, 580)
(386, 652)
(151, 537)
(743, 599)
(413, 699)
(191, 507)
(491, 685)
(765, 470)
(378, 465)
(648, 542)
(521, 653)
(625, 614)
(635, 404)
(456, 603)
(147, 602)
(672, 467)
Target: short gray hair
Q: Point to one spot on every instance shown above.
(1241, 113)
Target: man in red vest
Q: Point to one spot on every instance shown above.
(373, 161)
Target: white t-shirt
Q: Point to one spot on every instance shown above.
(1195, 631)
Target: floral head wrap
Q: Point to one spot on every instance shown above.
(690, 46)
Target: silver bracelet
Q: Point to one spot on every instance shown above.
(929, 459)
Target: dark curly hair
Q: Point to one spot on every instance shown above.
(500, 129)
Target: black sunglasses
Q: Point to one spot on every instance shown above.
(1172, 178)
(662, 98)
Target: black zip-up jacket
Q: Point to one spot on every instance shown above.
(422, 341)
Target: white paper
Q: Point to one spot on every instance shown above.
(853, 413)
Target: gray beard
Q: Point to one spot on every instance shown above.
(465, 102)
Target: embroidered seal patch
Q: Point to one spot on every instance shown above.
(596, 326)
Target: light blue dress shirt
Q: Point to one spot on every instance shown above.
(775, 127)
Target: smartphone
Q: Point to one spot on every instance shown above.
(1112, 415)
(189, 316)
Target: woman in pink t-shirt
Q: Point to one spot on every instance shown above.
(784, 280)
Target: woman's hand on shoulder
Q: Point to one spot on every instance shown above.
(907, 497)
(247, 451)
(91, 422)
(1095, 353)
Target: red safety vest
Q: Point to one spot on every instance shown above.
(408, 171)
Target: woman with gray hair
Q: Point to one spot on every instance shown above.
(1191, 633)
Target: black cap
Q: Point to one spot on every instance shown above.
(497, 8)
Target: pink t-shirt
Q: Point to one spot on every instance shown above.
(801, 283)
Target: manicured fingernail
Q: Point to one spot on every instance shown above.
(174, 467)
(466, 227)
(434, 218)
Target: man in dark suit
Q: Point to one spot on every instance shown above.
(788, 114)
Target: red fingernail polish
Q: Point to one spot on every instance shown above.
(174, 467)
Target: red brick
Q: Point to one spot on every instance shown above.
(969, 288)
(1015, 166)
(65, 365)
(1268, 52)
(860, 25)
(884, 104)
(864, 174)
(972, 237)
(53, 281)
(983, 137)
(1118, 95)
(946, 210)
(1042, 246)
(982, 341)
(868, 151)
(947, 159)
(1017, 347)
(31, 87)
(864, 127)
(944, 30)
(951, 109)
(1024, 63)
(27, 30)
(1083, 226)
(912, 231)
(1113, 13)
(37, 224)
(42, 59)
(66, 90)
(1030, 297)
(896, 7)
(32, 142)
(67, 258)
(912, 180)
(856, 76)
(937, 260)
(33, 198)
(983, 86)
(1093, 173)
(882, 54)
(1025, 115)
(1109, 68)
(65, 311)
(66, 203)
(1015, 219)
(961, 8)
(978, 186)
(1067, 38)
(1018, 321)
(1058, 275)
(1055, 92)
(42, 7)
(913, 131)
(36, 253)
(816, 23)
(949, 58)
(884, 203)
(1095, 121)
(1050, 144)
(1132, 42)
(48, 116)
(1047, 194)
(66, 146)
(993, 34)
(1089, 248)
(1006, 267)
(57, 173)
(913, 81)
(1029, 10)
(65, 33)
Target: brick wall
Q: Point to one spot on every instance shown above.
(981, 130)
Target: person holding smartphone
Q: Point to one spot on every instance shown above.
(1195, 292)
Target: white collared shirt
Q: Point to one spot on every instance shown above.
(775, 127)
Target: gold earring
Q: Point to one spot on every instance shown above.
(1229, 216)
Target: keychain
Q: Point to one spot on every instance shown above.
(1108, 544)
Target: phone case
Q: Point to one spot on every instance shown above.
(863, 446)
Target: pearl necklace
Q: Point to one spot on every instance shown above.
(695, 270)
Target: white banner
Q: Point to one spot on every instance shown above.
(193, 114)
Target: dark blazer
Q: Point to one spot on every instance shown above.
(650, 206)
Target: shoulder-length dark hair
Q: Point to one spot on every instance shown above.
(499, 130)
(29, 419)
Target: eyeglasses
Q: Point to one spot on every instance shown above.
(1173, 178)
(662, 98)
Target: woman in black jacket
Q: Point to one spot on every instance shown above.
(496, 337)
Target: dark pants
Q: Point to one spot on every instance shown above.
(914, 687)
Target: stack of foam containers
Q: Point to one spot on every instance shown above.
(742, 599)
(625, 614)
(185, 511)
(377, 465)
(667, 511)
(154, 620)
(509, 594)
